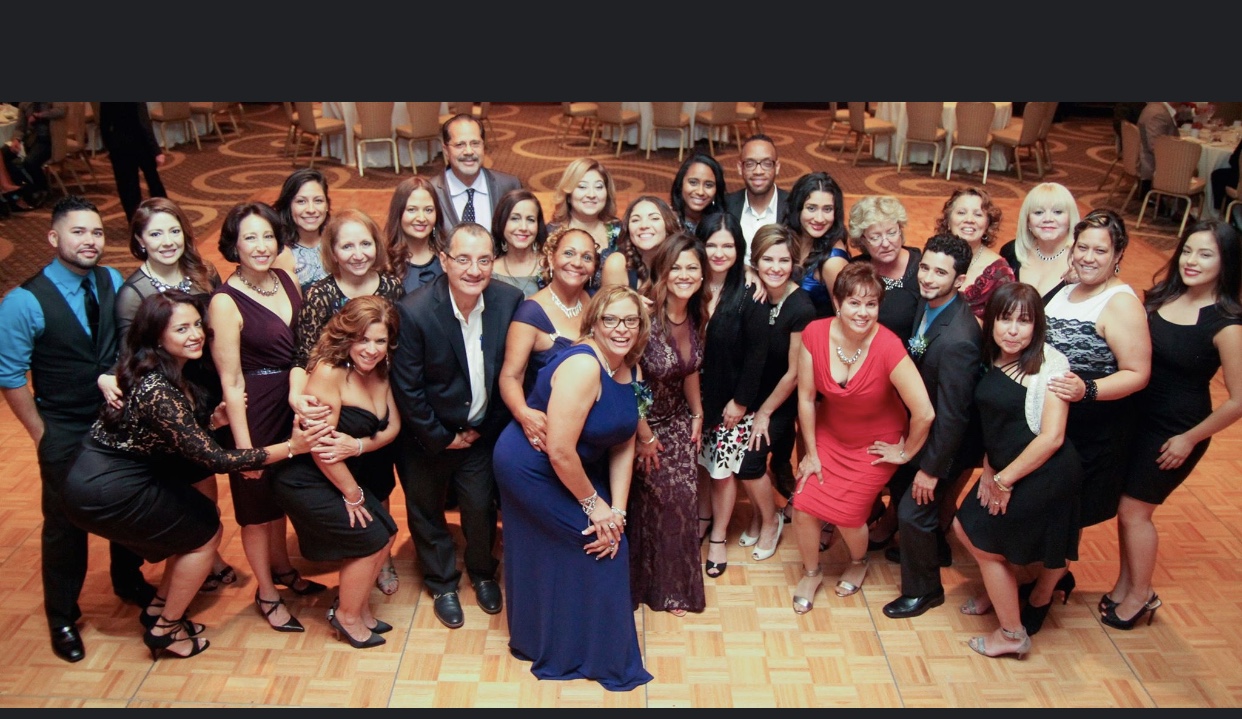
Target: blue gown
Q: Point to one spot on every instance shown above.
(568, 613)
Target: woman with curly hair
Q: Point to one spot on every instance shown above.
(412, 235)
(647, 222)
(970, 214)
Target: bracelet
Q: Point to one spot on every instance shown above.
(289, 444)
(588, 504)
(1092, 391)
(696, 416)
(903, 456)
(996, 477)
(360, 447)
(648, 441)
(618, 510)
(361, 496)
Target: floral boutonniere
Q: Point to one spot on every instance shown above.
(917, 346)
(642, 392)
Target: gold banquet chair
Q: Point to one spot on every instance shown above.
(374, 125)
(1024, 133)
(317, 127)
(923, 128)
(973, 133)
(668, 116)
(612, 115)
(571, 112)
(722, 115)
(1174, 175)
(175, 112)
(864, 127)
(424, 127)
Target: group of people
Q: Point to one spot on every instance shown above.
(605, 381)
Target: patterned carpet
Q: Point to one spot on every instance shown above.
(208, 182)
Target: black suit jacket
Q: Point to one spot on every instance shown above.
(498, 183)
(430, 376)
(950, 368)
(735, 201)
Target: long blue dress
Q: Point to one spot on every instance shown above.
(569, 613)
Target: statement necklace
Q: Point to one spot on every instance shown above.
(265, 293)
(569, 311)
(847, 361)
(183, 285)
(1047, 258)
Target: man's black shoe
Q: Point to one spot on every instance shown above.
(448, 610)
(487, 591)
(67, 644)
(141, 592)
(904, 607)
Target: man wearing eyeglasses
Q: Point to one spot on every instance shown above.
(444, 372)
(467, 190)
(761, 202)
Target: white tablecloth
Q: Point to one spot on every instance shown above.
(175, 131)
(8, 122)
(666, 138)
(377, 154)
(1215, 155)
(895, 112)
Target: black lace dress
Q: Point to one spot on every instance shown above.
(121, 487)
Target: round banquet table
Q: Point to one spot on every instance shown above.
(895, 112)
(1215, 155)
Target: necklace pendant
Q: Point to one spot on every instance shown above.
(847, 361)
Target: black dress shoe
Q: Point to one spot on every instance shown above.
(448, 610)
(904, 607)
(140, 592)
(67, 644)
(487, 591)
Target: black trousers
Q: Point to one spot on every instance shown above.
(919, 528)
(425, 478)
(64, 544)
(128, 158)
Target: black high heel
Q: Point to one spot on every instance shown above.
(149, 620)
(1106, 603)
(291, 578)
(712, 569)
(372, 641)
(159, 643)
(1065, 585)
(381, 626)
(1033, 617)
(827, 530)
(1111, 619)
(293, 625)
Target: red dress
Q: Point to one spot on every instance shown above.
(847, 421)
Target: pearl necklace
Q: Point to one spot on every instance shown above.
(266, 293)
(569, 311)
(847, 361)
(1046, 258)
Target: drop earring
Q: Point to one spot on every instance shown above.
(1117, 269)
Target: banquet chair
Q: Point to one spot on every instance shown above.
(668, 116)
(1174, 175)
(1044, 128)
(835, 116)
(479, 111)
(318, 127)
(213, 112)
(295, 131)
(612, 115)
(374, 125)
(59, 129)
(722, 115)
(175, 112)
(571, 112)
(1130, 149)
(424, 127)
(973, 133)
(923, 128)
(863, 127)
(75, 142)
(752, 114)
(1024, 133)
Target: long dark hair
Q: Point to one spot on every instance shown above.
(142, 351)
(718, 202)
(202, 276)
(633, 256)
(735, 280)
(661, 264)
(1228, 282)
(398, 252)
(500, 219)
(1026, 300)
(287, 231)
(798, 194)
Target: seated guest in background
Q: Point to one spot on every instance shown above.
(413, 233)
(1039, 255)
(569, 608)
(946, 347)
(34, 136)
(1157, 119)
(760, 202)
(324, 494)
(970, 214)
(468, 191)
(587, 200)
(1227, 176)
(816, 213)
(117, 488)
(878, 231)
(698, 190)
(647, 222)
(519, 233)
(1021, 509)
(444, 379)
(304, 211)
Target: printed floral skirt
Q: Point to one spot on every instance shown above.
(723, 449)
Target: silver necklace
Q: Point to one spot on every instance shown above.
(523, 281)
(1046, 258)
(847, 361)
(569, 311)
(265, 293)
(183, 285)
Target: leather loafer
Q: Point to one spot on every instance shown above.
(904, 607)
(448, 610)
(487, 591)
(67, 644)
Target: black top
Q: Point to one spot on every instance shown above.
(901, 297)
(793, 316)
(324, 299)
(733, 356)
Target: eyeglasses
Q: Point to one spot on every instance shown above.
(891, 236)
(461, 145)
(750, 165)
(465, 262)
(630, 322)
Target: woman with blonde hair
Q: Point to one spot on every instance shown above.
(587, 200)
(1039, 254)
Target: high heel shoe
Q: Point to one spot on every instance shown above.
(844, 588)
(746, 540)
(1111, 619)
(381, 626)
(227, 575)
(159, 643)
(704, 532)
(825, 536)
(291, 578)
(760, 553)
(387, 580)
(372, 641)
(1065, 585)
(1106, 603)
(148, 620)
(979, 644)
(802, 605)
(712, 569)
(1033, 617)
(972, 607)
(293, 625)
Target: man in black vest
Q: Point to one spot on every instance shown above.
(947, 346)
(60, 326)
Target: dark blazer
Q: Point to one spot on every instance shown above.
(498, 183)
(950, 368)
(735, 201)
(430, 377)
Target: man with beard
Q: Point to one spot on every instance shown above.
(467, 191)
(761, 202)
